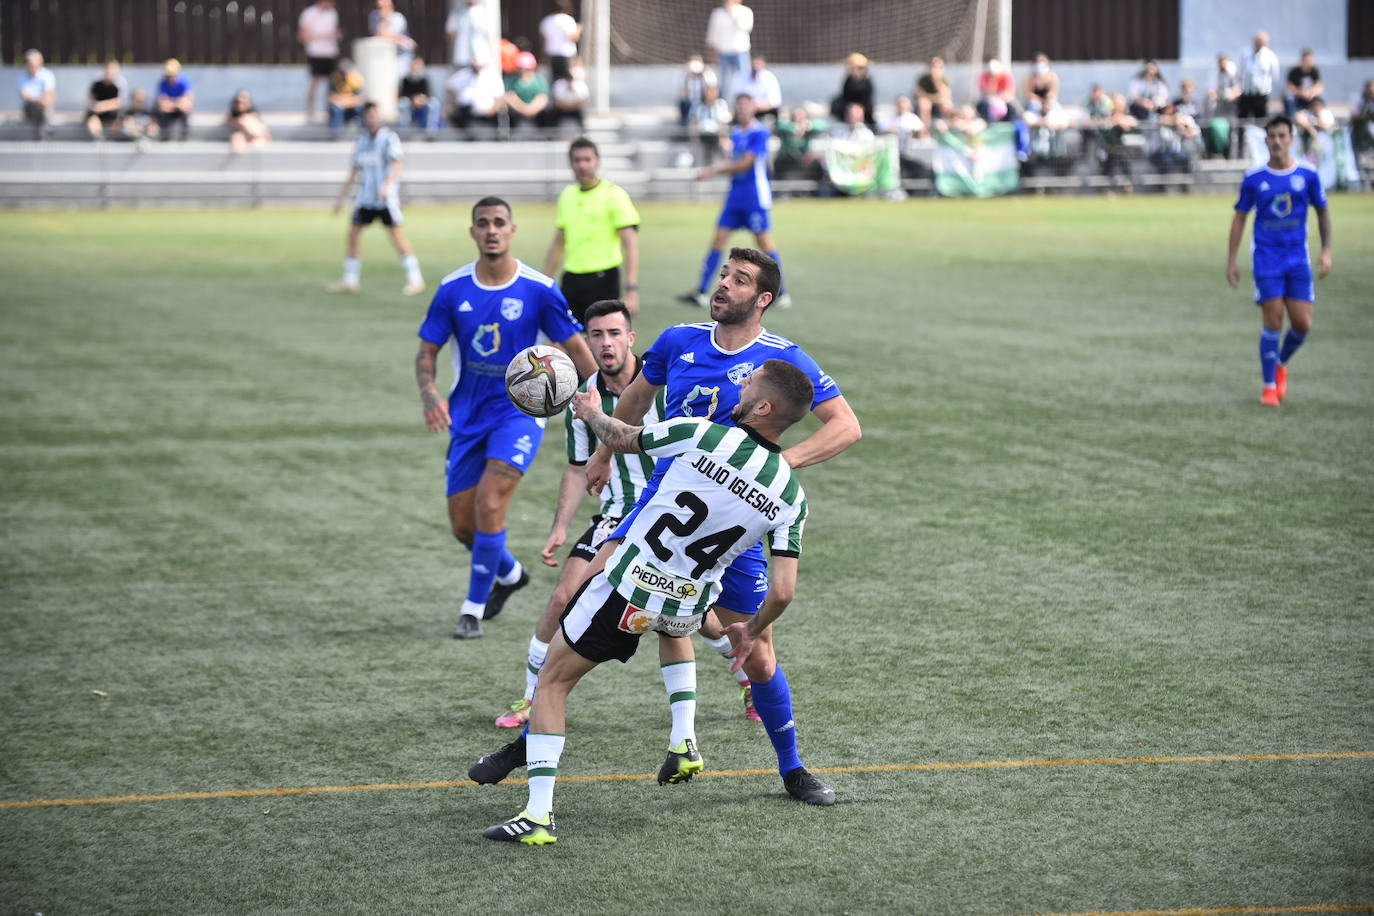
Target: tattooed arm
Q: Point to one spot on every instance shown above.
(433, 403)
(612, 433)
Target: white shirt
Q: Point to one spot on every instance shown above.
(1259, 70)
(763, 87)
(468, 26)
(33, 88)
(728, 29)
(321, 28)
(558, 30)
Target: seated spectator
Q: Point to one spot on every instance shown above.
(853, 127)
(762, 86)
(106, 98)
(1042, 87)
(137, 122)
(1220, 109)
(857, 89)
(1148, 92)
(903, 122)
(965, 120)
(1177, 142)
(571, 94)
(527, 93)
(37, 92)
(1303, 86)
(997, 94)
(246, 127)
(692, 92)
(1187, 103)
(710, 125)
(1313, 124)
(414, 91)
(175, 100)
(795, 158)
(474, 96)
(345, 95)
(934, 99)
(1115, 154)
(1362, 118)
(510, 54)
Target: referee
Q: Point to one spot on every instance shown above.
(597, 232)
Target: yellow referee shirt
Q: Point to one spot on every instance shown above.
(591, 222)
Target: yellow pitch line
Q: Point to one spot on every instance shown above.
(1226, 910)
(620, 777)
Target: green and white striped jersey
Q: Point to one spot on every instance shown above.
(629, 473)
(724, 490)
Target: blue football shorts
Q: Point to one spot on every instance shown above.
(514, 440)
(1283, 275)
(756, 220)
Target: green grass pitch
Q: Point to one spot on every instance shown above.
(1069, 533)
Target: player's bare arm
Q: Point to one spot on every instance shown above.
(1233, 247)
(742, 164)
(393, 175)
(569, 501)
(629, 243)
(1324, 230)
(634, 403)
(782, 588)
(343, 191)
(839, 430)
(431, 401)
(616, 435)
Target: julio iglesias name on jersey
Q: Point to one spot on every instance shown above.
(751, 495)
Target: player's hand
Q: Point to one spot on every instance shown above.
(744, 645)
(631, 300)
(436, 416)
(338, 205)
(1233, 275)
(1324, 263)
(705, 174)
(598, 471)
(557, 538)
(586, 403)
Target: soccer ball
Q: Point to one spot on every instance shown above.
(541, 380)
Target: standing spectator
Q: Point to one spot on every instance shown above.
(345, 95)
(37, 91)
(692, 94)
(246, 127)
(996, 93)
(1149, 93)
(762, 85)
(727, 35)
(527, 94)
(386, 22)
(175, 99)
(468, 29)
(1042, 86)
(414, 90)
(318, 32)
(1222, 93)
(571, 94)
(1362, 119)
(596, 232)
(1304, 84)
(857, 89)
(107, 97)
(1259, 71)
(934, 98)
(561, 33)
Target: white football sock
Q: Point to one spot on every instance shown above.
(353, 270)
(680, 681)
(538, 651)
(472, 609)
(412, 269)
(723, 646)
(513, 576)
(541, 755)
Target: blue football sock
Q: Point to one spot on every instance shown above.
(506, 564)
(773, 701)
(486, 556)
(1269, 354)
(1291, 341)
(782, 278)
(709, 268)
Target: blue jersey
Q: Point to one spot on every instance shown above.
(487, 326)
(703, 381)
(749, 190)
(1280, 201)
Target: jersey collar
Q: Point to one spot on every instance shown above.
(754, 434)
(719, 348)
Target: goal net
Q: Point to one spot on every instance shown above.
(810, 31)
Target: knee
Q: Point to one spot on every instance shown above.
(1302, 324)
(464, 532)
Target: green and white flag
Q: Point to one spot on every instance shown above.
(859, 166)
(983, 165)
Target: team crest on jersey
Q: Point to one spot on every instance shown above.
(512, 309)
(689, 405)
(1281, 205)
(739, 373)
(487, 340)
(1297, 182)
(636, 620)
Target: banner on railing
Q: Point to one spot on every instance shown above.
(860, 166)
(979, 165)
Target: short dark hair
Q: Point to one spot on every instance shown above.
(787, 388)
(1279, 119)
(769, 279)
(607, 307)
(369, 106)
(583, 143)
(490, 201)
